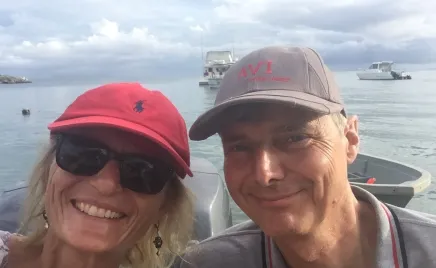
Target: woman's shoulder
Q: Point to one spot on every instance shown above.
(4, 249)
(4, 238)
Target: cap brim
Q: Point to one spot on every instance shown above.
(206, 124)
(126, 126)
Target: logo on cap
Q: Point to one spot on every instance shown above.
(139, 108)
(256, 74)
(254, 70)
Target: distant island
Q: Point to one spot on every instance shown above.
(8, 79)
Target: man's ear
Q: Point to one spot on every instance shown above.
(351, 132)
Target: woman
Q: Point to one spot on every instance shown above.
(107, 191)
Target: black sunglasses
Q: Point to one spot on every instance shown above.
(85, 157)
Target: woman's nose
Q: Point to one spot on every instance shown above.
(107, 181)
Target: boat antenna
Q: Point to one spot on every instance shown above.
(201, 43)
(201, 49)
(233, 50)
(233, 47)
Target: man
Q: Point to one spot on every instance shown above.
(287, 143)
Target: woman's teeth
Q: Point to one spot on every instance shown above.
(92, 210)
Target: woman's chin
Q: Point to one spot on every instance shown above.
(91, 245)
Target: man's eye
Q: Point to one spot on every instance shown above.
(297, 138)
(235, 148)
(238, 148)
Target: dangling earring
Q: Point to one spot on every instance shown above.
(44, 215)
(157, 240)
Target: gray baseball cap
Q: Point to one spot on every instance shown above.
(280, 74)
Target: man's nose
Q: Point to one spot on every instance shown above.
(107, 181)
(268, 167)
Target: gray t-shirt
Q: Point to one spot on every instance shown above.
(406, 239)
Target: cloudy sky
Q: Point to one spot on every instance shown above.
(142, 39)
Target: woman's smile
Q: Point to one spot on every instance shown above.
(96, 211)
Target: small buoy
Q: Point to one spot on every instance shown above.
(25, 111)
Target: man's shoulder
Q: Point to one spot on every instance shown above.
(244, 228)
(412, 218)
(237, 246)
(407, 218)
(416, 224)
(245, 235)
(419, 236)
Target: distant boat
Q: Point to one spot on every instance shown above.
(382, 71)
(216, 65)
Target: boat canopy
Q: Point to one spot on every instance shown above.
(223, 57)
(385, 66)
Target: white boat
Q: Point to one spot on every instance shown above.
(390, 181)
(382, 70)
(216, 65)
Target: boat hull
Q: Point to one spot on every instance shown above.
(395, 183)
(375, 76)
(214, 82)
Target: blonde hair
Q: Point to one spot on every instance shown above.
(175, 227)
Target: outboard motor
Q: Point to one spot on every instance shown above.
(395, 75)
(10, 206)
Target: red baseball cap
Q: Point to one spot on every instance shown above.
(132, 108)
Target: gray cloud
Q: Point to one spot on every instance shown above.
(5, 20)
(112, 40)
(348, 18)
(416, 51)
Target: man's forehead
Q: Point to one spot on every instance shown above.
(268, 119)
(267, 112)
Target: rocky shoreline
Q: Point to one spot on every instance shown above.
(8, 79)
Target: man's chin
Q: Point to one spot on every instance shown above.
(281, 226)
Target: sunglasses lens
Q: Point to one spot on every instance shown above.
(142, 176)
(84, 157)
(80, 157)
